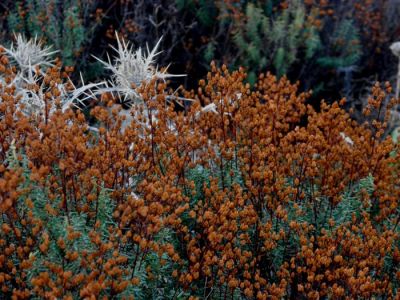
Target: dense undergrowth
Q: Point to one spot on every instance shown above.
(255, 196)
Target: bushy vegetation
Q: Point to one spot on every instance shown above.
(259, 197)
(126, 187)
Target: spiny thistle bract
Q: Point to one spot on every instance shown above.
(130, 69)
(78, 96)
(31, 59)
(28, 54)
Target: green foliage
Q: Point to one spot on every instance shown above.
(204, 10)
(201, 178)
(346, 47)
(209, 52)
(60, 25)
(73, 36)
(58, 226)
(276, 41)
(351, 203)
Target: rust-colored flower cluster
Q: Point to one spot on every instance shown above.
(262, 197)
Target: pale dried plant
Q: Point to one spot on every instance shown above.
(30, 53)
(31, 58)
(78, 96)
(130, 69)
(395, 48)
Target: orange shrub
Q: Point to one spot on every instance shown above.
(260, 198)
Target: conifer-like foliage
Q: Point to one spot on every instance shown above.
(61, 26)
(267, 40)
(346, 48)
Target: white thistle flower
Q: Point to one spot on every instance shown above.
(31, 99)
(130, 69)
(28, 54)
